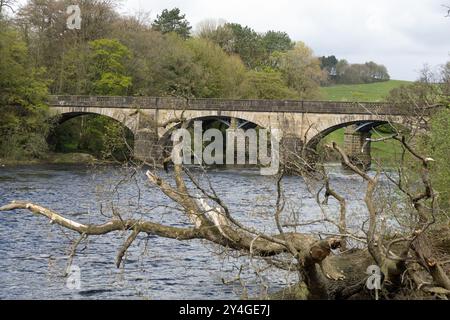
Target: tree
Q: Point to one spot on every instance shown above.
(329, 64)
(151, 50)
(6, 4)
(219, 75)
(107, 71)
(53, 46)
(301, 70)
(266, 85)
(277, 41)
(247, 43)
(172, 21)
(168, 65)
(431, 92)
(376, 72)
(218, 32)
(341, 66)
(368, 72)
(23, 91)
(438, 146)
(446, 82)
(73, 78)
(404, 229)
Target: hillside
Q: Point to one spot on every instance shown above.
(371, 92)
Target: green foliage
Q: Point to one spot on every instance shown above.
(301, 70)
(329, 64)
(172, 21)
(431, 91)
(276, 41)
(368, 72)
(247, 43)
(73, 76)
(219, 33)
(218, 74)
(420, 93)
(24, 121)
(53, 46)
(178, 73)
(97, 135)
(438, 146)
(266, 85)
(107, 71)
(168, 65)
(252, 47)
(112, 84)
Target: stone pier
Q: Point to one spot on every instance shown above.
(146, 146)
(291, 153)
(146, 140)
(357, 147)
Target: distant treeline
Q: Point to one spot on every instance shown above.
(342, 72)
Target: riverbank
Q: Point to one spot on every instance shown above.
(56, 158)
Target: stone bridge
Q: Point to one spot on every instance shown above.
(151, 118)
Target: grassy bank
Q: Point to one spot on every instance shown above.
(372, 92)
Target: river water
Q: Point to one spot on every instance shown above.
(34, 253)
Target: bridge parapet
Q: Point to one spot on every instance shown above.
(291, 106)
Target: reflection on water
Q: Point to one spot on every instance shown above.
(34, 253)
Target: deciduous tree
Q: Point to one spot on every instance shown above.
(107, 67)
(23, 92)
(301, 71)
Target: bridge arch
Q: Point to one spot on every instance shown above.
(356, 139)
(364, 126)
(127, 117)
(193, 115)
(69, 139)
(319, 125)
(220, 121)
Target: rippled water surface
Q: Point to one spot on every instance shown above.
(34, 253)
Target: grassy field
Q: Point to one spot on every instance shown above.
(372, 92)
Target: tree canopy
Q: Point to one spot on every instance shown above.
(172, 21)
(23, 91)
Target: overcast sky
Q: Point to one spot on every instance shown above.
(401, 34)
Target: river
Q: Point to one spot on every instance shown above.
(34, 253)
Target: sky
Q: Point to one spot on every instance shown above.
(401, 34)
